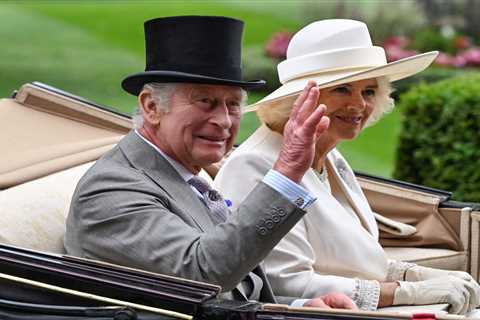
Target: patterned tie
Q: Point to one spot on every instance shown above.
(251, 285)
(211, 197)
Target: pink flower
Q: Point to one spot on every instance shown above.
(472, 56)
(444, 59)
(278, 44)
(459, 61)
(396, 53)
(397, 41)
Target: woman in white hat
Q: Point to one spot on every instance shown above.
(335, 247)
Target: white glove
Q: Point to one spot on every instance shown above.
(419, 273)
(449, 289)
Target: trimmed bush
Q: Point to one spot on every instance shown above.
(440, 140)
(257, 65)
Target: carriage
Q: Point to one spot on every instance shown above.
(51, 137)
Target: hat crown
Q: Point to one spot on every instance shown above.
(327, 35)
(195, 49)
(328, 45)
(205, 45)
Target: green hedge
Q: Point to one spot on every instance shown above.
(256, 65)
(440, 140)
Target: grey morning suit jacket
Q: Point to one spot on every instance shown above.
(132, 208)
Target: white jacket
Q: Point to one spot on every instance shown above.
(330, 246)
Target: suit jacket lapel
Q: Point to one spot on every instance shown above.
(146, 159)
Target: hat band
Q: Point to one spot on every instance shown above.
(331, 72)
(332, 60)
(220, 71)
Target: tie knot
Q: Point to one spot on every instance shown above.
(200, 184)
(211, 198)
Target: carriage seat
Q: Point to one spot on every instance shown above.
(33, 214)
(446, 259)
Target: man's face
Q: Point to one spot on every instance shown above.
(202, 124)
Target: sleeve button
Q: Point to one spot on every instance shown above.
(269, 223)
(262, 231)
(299, 202)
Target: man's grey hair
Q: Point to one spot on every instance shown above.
(276, 114)
(162, 94)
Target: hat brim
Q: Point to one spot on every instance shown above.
(393, 71)
(134, 83)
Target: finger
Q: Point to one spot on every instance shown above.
(456, 296)
(339, 301)
(309, 105)
(314, 119)
(322, 126)
(456, 304)
(462, 275)
(316, 303)
(466, 301)
(345, 304)
(301, 98)
(474, 291)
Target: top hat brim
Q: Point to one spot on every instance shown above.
(134, 83)
(393, 71)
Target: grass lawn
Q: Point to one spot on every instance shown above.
(87, 47)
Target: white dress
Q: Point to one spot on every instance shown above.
(334, 247)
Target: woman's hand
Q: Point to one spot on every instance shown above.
(452, 290)
(307, 122)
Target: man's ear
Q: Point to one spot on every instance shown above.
(150, 110)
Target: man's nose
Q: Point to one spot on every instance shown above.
(221, 116)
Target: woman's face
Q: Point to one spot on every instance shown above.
(349, 106)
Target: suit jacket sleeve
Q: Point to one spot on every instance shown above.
(290, 264)
(125, 218)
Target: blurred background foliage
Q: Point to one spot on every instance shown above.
(439, 145)
(87, 47)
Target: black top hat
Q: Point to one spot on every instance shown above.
(196, 49)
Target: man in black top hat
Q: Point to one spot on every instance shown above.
(143, 204)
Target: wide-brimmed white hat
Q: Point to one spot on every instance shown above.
(337, 51)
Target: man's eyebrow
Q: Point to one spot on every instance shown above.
(236, 95)
(372, 86)
(200, 91)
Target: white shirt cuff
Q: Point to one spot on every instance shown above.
(289, 189)
(298, 303)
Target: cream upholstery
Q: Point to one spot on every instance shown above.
(443, 236)
(32, 215)
(475, 245)
(430, 257)
(442, 258)
(68, 133)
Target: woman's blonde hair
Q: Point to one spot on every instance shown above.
(276, 114)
